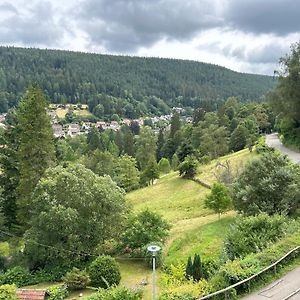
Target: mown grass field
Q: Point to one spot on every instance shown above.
(61, 112)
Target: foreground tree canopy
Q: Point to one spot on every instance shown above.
(268, 184)
(74, 211)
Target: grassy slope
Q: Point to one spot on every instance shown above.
(237, 161)
(195, 229)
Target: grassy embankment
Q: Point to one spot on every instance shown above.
(195, 229)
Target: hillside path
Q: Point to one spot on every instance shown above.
(272, 140)
(284, 288)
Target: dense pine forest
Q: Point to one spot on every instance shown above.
(128, 86)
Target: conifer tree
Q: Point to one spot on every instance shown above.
(93, 139)
(175, 124)
(197, 268)
(128, 142)
(9, 177)
(160, 144)
(36, 150)
(189, 268)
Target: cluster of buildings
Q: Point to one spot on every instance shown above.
(74, 129)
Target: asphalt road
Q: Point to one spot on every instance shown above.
(284, 288)
(287, 287)
(272, 140)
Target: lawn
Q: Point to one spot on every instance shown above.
(205, 240)
(61, 112)
(134, 272)
(174, 198)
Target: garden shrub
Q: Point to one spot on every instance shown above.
(187, 290)
(104, 272)
(8, 292)
(117, 293)
(253, 234)
(76, 279)
(57, 293)
(18, 276)
(209, 267)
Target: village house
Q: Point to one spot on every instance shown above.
(58, 131)
(114, 125)
(73, 130)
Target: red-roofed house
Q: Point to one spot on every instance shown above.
(24, 294)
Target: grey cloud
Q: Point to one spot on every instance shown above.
(7, 7)
(269, 52)
(128, 25)
(279, 17)
(35, 27)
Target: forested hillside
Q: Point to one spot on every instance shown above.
(129, 86)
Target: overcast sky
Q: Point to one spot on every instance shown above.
(243, 35)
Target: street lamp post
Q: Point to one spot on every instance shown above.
(153, 249)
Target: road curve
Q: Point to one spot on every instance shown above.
(286, 287)
(273, 141)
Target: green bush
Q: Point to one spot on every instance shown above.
(104, 272)
(76, 279)
(188, 168)
(117, 293)
(209, 267)
(261, 147)
(253, 234)
(186, 290)
(164, 166)
(142, 229)
(8, 292)
(270, 184)
(57, 293)
(18, 276)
